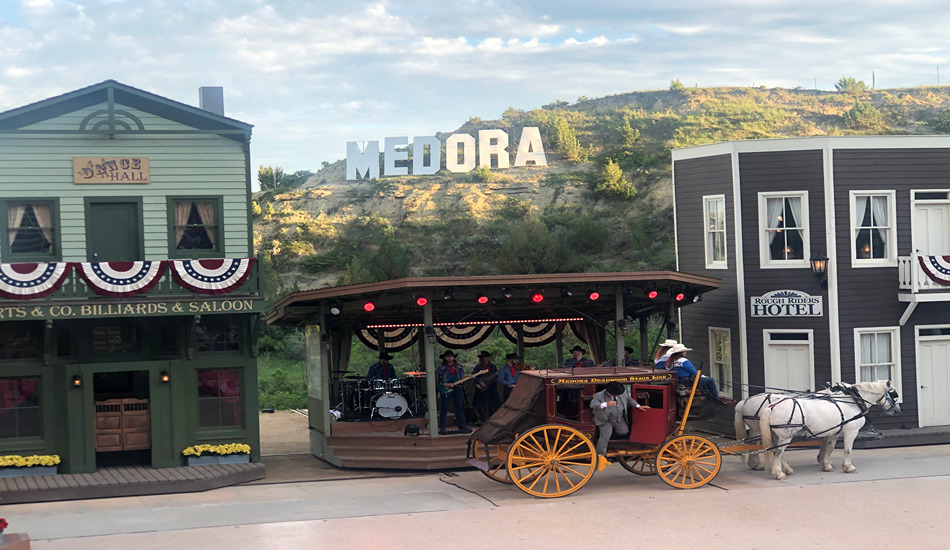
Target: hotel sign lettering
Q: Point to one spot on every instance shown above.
(786, 303)
(127, 309)
(110, 170)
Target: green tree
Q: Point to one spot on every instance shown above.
(564, 139)
(850, 85)
(677, 86)
(269, 177)
(612, 183)
(628, 134)
(864, 116)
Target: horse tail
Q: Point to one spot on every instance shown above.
(765, 426)
(739, 423)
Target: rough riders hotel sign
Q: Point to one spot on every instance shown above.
(786, 303)
(364, 162)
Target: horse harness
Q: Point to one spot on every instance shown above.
(848, 390)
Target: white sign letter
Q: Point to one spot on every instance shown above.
(391, 155)
(530, 148)
(486, 148)
(419, 144)
(362, 163)
(452, 162)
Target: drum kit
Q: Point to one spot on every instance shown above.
(364, 399)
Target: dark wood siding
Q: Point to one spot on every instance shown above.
(695, 179)
(791, 171)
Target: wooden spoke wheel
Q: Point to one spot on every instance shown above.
(688, 461)
(497, 458)
(551, 461)
(642, 465)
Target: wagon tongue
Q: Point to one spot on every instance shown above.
(480, 464)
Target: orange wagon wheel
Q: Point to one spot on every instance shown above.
(642, 465)
(497, 458)
(688, 461)
(551, 461)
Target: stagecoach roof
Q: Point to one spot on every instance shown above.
(453, 299)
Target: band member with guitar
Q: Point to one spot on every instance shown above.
(486, 400)
(449, 376)
(509, 373)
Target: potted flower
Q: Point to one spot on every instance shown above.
(3, 525)
(230, 453)
(34, 465)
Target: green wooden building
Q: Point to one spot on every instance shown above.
(129, 296)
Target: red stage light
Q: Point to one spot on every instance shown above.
(652, 294)
(369, 306)
(679, 296)
(537, 297)
(482, 299)
(594, 295)
(421, 301)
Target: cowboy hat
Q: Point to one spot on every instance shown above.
(446, 353)
(668, 344)
(385, 355)
(679, 348)
(484, 354)
(628, 349)
(511, 356)
(580, 349)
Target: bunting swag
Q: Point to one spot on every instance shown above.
(937, 268)
(462, 337)
(211, 276)
(395, 339)
(121, 279)
(27, 281)
(535, 334)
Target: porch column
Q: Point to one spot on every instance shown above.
(644, 340)
(618, 318)
(429, 352)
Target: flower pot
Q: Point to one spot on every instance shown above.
(234, 459)
(217, 459)
(28, 471)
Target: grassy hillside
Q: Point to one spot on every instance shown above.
(603, 204)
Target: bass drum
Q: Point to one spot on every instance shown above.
(391, 405)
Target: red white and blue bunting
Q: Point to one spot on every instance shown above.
(211, 276)
(937, 268)
(27, 281)
(394, 339)
(462, 337)
(535, 334)
(121, 279)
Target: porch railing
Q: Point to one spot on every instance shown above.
(912, 277)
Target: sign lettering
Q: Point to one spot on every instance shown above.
(110, 170)
(786, 303)
(125, 309)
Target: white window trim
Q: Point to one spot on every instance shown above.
(711, 338)
(764, 261)
(710, 263)
(895, 354)
(767, 338)
(891, 259)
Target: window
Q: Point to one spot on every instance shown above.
(714, 226)
(195, 227)
(30, 232)
(114, 339)
(720, 358)
(217, 334)
(877, 354)
(219, 398)
(19, 344)
(20, 407)
(783, 220)
(872, 229)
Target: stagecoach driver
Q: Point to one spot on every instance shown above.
(382, 369)
(609, 408)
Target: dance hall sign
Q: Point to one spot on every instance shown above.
(363, 160)
(786, 303)
(110, 170)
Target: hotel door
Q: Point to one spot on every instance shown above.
(789, 361)
(933, 380)
(931, 234)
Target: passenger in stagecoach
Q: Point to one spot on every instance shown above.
(578, 360)
(382, 369)
(447, 376)
(686, 372)
(509, 373)
(628, 361)
(663, 353)
(609, 407)
(486, 400)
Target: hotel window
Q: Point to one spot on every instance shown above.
(714, 226)
(219, 398)
(30, 232)
(720, 358)
(783, 220)
(20, 407)
(194, 227)
(872, 228)
(877, 354)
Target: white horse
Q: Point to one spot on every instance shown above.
(823, 416)
(747, 417)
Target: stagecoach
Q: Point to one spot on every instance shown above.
(542, 439)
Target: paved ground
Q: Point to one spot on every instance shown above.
(897, 498)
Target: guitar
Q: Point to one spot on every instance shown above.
(447, 390)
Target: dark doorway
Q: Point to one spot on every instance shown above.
(123, 418)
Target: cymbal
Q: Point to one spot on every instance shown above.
(415, 373)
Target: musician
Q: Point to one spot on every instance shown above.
(686, 372)
(382, 369)
(627, 360)
(609, 408)
(578, 360)
(446, 375)
(663, 353)
(509, 373)
(486, 400)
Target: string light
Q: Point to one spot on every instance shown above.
(468, 323)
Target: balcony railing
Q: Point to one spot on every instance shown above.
(913, 277)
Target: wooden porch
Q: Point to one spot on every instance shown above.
(383, 445)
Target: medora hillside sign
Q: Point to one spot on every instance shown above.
(364, 162)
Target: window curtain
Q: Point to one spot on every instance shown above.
(16, 212)
(43, 218)
(182, 210)
(879, 212)
(595, 336)
(860, 209)
(206, 213)
(774, 211)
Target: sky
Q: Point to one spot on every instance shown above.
(311, 75)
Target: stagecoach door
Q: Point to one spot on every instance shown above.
(789, 360)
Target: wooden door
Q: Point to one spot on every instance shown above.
(113, 232)
(123, 425)
(933, 381)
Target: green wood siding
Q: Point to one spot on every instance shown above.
(40, 166)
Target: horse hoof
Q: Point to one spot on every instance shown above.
(780, 476)
(850, 470)
(788, 471)
(827, 468)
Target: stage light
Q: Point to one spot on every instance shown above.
(336, 309)
(679, 296)
(593, 295)
(421, 301)
(448, 295)
(507, 293)
(369, 306)
(482, 299)
(537, 297)
(566, 292)
(651, 291)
